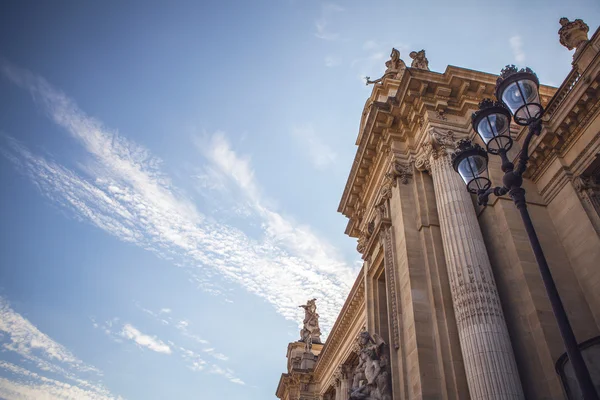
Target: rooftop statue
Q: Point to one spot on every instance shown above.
(310, 331)
(394, 68)
(394, 63)
(573, 34)
(419, 60)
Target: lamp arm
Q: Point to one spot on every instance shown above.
(534, 130)
(484, 195)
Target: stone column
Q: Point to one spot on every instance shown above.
(345, 382)
(485, 344)
(337, 379)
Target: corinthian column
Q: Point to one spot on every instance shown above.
(487, 353)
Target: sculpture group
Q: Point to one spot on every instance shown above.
(371, 379)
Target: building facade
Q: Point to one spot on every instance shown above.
(449, 303)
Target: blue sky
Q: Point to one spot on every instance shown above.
(171, 173)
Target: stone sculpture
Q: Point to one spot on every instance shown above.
(394, 63)
(394, 68)
(573, 33)
(371, 379)
(310, 330)
(419, 60)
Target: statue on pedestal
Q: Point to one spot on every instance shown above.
(394, 68)
(310, 330)
(419, 60)
(371, 380)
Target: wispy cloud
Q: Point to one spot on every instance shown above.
(516, 44)
(20, 336)
(332, 61)
(322, 23)
(143, 340)
(182, 326)
(125, 193)
(320, 154)
(26, 384)
(191, 357)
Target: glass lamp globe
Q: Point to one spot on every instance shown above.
(492, 124)
(519, 91)
(471, 161)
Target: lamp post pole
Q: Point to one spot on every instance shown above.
(471, 162)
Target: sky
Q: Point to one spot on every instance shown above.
(170, 174)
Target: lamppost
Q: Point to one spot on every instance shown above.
(518, 93)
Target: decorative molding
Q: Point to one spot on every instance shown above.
(385, 236)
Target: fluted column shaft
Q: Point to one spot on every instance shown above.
(487, 353)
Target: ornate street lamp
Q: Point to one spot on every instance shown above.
(518, 91)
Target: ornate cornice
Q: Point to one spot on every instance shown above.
(352, 308)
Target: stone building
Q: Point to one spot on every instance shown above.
(449, 303)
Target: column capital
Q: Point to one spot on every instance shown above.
(438, 142)
(399, 171)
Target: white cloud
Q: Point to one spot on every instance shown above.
(332, 61)
(516, 44)
(226, 372)
(31, 385)
(150, 342)
(19, 335)
(191, 358)
(215, 354)
(182, 326)
(320, 154)
(125, 193)
(26, 340)
(322, 23)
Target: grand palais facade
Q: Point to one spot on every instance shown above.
(449, 303)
